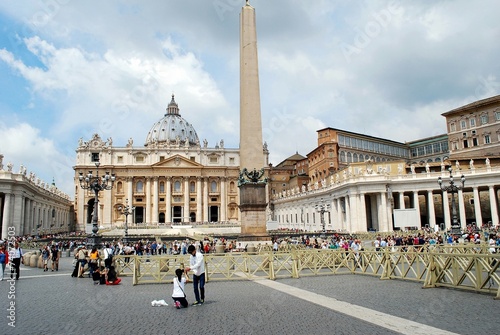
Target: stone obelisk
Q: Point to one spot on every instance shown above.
(252, 183)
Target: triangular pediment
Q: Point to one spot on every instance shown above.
(177, 161)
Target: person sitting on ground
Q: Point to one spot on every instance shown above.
(111, 277)
(99, 276)
(178, 291)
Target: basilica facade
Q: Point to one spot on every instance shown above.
(171, 179)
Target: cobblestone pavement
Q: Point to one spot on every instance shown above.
(55, 303)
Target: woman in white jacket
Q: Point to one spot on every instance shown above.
(178, 292)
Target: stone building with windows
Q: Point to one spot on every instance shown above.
(474, 129)
(30, 206)
(172, 178)
(364, 179)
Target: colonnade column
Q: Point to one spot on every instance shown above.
(493, 206)
(108, 207)
(430, 209)
(205, 199)
(348, 213)
(6, 217)
(130, 196)
(401, 200)
(362, 221)
(168, 209)
(223, 199)
(446, 210)
(185, 217)
(198, 199)
(416, 205)
(155, 200)
(382, 213)
(461, 210)
(477, 207)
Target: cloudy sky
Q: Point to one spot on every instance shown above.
(388, 69)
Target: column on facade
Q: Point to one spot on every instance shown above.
(401, 200)
(130, 196)
(6, 216)
(205, 199)
(185, 217)
(148, 219)
(493, 206)
(36, 219)
(430, 210)
(223, 206)
(461, 210)
(446, 210)
(108, 209)
(198, 199)
(335, 214)
(82, 215)
(155, 200)
(477, 207)
(168, 209)
(416, 205)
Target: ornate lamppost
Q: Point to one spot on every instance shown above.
(453, 188)
(322, 209)
(127, 210)
(96, 184)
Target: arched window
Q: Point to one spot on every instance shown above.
(213, 186)
(231, 186)
(162, 187)
(192, 187)
(139, 187)
(349, 157)
(177, 186)
(119, 187)
(355, 158)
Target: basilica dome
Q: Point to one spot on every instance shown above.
(172, 129)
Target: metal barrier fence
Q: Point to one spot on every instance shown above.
(462, 267)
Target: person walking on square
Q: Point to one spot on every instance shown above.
(45, 258)
(4, 259)
(17, 258)
(197, 265)
(54, 256)
(178, 293)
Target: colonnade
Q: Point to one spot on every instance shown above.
(367, 202)
(24, 213)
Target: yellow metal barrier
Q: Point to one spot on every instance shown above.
(441, 266)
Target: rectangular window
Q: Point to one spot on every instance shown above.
(120, 159)
(428, 149)
(484, 119)
(213, 159)
(463, 124)
(162, 158)
(497, 116)
(487, 139)
(420, 151)
(436, 148)
(472, 122)
(466, 144)
(95, 157)
(231, 160)
(413, 152)
(192, 158)
(452, 127)
(139, 159)
(474, 142)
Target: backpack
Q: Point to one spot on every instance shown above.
(2, 258)
(110, 253)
